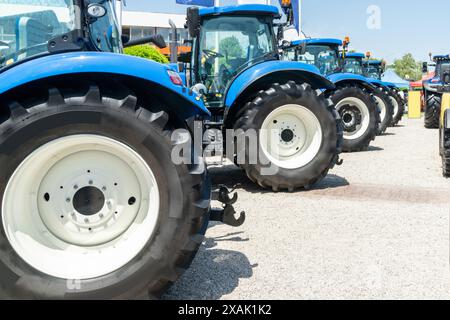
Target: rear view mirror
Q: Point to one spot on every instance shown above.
(425, 67)
(302, 49)
(193, 21)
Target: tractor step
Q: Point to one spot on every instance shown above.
(226, 214)
(214, 124)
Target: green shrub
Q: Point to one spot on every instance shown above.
(147, 52)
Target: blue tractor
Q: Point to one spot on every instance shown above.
(353, 95)
(293, 133)
(375, 69)
(93, 203)
(354, 63)
(432, 93)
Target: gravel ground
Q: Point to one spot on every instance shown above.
(376, 228)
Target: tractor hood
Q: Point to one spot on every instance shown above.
(432, 84)
(379, 82)
(338, 77)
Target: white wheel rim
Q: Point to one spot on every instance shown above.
(48, 225)
(291, 136)
(382, 106)
(395, 104)
(349, 108)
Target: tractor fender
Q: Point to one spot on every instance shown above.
(340, 78)
(378, 83)
(254, 77)
(152, 72)
(432, 85)
(390, 85)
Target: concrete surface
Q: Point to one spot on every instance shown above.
(376, 228)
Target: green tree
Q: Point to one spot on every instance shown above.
(147, 52)
(408, 68)
(230, 47)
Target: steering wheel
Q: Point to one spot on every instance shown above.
(212, 54)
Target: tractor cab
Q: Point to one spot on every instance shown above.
(322, 53)
(31, 28)
(353, 63)
(227, 41)
(374, 68)
(441, 64)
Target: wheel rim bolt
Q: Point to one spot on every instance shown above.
(91, 182)
(68, 200)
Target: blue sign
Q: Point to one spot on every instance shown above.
(203, 3)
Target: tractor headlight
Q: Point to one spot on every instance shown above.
(96, 11)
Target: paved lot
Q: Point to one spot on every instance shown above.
(377, 227)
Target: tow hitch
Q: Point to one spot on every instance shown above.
(226, 214)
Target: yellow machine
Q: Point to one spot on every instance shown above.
(414, 105)
(445, 106)
(444, 134)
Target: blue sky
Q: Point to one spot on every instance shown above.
(405, 25)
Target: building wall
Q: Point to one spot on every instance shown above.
(139, 24)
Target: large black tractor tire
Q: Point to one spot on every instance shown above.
(432, 111)
(446, 162)
(316, 109)
(37, 118)
(444, 148)
(445, 154)
(360, 117)
(386, 109)
(399, 107)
